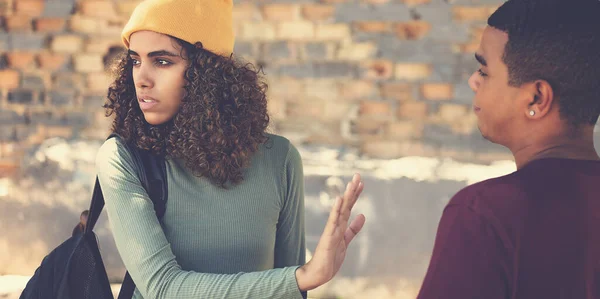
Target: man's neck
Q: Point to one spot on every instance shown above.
(579, 147)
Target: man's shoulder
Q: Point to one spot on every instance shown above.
(491, 192)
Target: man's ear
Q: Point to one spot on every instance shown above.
(540, 96)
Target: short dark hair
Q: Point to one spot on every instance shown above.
(557, 41)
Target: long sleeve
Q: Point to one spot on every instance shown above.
(147, 253)
(290, 245)
(467, 258)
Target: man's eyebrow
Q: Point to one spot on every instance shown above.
(481, 60)
(155, 53)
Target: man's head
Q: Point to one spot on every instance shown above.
(539, 68)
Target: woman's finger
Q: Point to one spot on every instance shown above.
(350, 193)
(354, 198)
(334, 216)
(354, 228)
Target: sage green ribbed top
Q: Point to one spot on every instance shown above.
(243, 242)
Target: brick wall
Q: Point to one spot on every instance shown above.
(384, 77)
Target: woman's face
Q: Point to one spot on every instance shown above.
(158, 75)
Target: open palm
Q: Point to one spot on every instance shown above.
(337, 235)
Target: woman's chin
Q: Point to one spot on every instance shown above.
(154, 119)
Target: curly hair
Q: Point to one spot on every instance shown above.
(221, 121)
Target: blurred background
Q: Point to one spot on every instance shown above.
(375, 86)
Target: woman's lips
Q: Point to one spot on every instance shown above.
(147, 103)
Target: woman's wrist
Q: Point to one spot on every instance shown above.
(302, 279)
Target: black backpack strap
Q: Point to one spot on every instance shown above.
(95, 207)
(153, 176)
(155, 170)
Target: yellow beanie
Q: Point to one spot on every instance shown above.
(207, 21)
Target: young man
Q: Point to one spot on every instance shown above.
(536, 232)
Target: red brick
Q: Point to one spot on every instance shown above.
(67, 43)
(376, 1)
(472, 13)
(412, 30)
(254, 31)
(51, 61)
(415, 2)
(98, 8)
(10, 150)
(9, 79)
(59, 131)
(310, 109)
(32, 8)
(50, 24)
(17, 23)
(452, 112)
(331, 32)
(318, 12)
(20, 59)
(103, 45)
(378, 69)
(412, 71)
(352, 90)
(404, 130)
(412, 110)
(296, 30)
(9, 168)
(401, 92)
(84, 24)
(375, 109)
(38, 136)
(369, 127)
(336, 111)
(325, 90)
(88, 63)
(437, 91)
(372, 26)
(281, 12)
(357, 51)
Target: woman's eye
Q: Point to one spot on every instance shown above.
(481, 73)
(162, 62)
(135, 61)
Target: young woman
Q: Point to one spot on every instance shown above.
(234, 222)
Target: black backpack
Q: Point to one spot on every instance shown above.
(74, 269)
